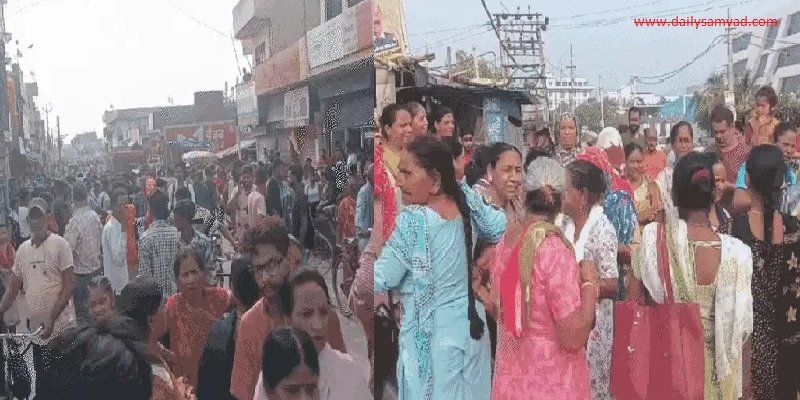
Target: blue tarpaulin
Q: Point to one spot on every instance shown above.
(683, 108)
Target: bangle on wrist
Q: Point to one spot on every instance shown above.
(592, 285)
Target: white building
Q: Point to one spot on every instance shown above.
(624, 97)
(771, 54)
(559, 88)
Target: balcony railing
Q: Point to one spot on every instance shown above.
(249, 17)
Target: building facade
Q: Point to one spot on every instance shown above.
(163, 134)
(312, 84)
(771, 54)
(559, 90)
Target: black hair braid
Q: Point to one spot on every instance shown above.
(767, 168)
(476, 324)
(435, 157)
(772, 202)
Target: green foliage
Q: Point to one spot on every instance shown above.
(588, 114)
(714, 95)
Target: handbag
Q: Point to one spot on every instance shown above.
(658, 348)
(386, 346)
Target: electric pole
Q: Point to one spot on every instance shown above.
(600, 94)
(47, 109)
(730, 100)
(571, 68)
(60, 142)
(522, 55)
(5, 123)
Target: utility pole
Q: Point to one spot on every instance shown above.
(60, 142)
(5, 123)
(522, 55)
(47, 109)
(600, 94)
(571, 68)
(449, 61)
(730, 100)
(476, 65)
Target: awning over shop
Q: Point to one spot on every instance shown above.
(235, 149)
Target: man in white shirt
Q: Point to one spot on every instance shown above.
(180, 181)
(115, 264)
(44, 267)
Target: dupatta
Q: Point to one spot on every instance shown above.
(733, 303)
(515, 281)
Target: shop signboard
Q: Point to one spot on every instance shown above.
(389, 32)
(345, 34)
(283, 69)
(213, 136)
(295, 108)
(247, 104)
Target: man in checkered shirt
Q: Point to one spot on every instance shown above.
(159, 245)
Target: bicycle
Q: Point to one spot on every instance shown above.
(19, 384)
(219, 260)
(346, 262)
(324, 235)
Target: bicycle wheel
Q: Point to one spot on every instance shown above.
(323, 249)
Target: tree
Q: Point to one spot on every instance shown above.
(588, 115)
(788, 108)
(465, 62)
(714, 95)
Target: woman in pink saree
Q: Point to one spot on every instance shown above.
(546, 300)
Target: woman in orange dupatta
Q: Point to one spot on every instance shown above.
(546, 311)
(192, 312)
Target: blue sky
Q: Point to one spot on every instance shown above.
(616, 51)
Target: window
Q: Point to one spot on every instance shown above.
(789, 56)
(332, 9)
(739, 67)
(740, 43)
(261, 53)
(794, 24)
(762, 65)
(772, 33)
(791, 84)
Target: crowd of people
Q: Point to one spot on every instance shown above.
(120, 280)
(504, 275)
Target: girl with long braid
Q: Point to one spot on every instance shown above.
(444, 352)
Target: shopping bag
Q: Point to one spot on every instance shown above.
(658, 349)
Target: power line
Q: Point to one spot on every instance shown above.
(199, 22)
(496, 32)
(704, 7)
(460, 28)
(459, 37)
(611, 10)
(657, 79)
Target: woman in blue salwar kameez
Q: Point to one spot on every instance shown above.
(444, 344)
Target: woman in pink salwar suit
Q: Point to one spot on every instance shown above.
(541, 342)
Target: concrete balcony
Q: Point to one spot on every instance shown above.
(249, 17)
